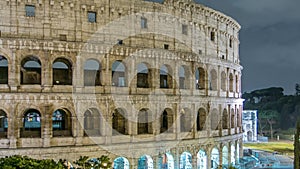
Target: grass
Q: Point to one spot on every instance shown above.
(282, 147)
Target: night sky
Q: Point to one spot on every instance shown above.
(270, 41)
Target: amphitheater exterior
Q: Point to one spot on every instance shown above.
(151, 85)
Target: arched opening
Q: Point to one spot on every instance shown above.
(186, 161)
(31, 124)
(30, 70)
(92, 73)
(145, 162)
(143, 77)
(183, 77)
(225, 119)
(166, 121)
(119, 122)
(3, 70)
(200, 78)
(201, 160)
(3, 124)
(185, 121)
(213, 80)
(61, 123)
(165, 77)
(232, 155)
(201, 118)
(238, 118)
(215, 156)
(230, 82)
(121, 163)
(249, 136)
(144, 122)
(237, 87)
(62, 72)
(118, 74)
(92, 122)
(225, 155)
(214, 120)
(166, 161)
(232, 118)
(223, 81)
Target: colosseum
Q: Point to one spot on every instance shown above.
(149, 84)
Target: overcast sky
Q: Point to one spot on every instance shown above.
(270, 41)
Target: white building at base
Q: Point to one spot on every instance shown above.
(249, 122)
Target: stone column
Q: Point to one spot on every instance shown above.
(46, 126)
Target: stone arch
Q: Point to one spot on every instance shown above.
(62, 123)
(145, 122)
(92, 122)
(214, 120)
(143, 76)
(231, 82)
(3, 70)
(165, 76)
(238, 118)
(185, 120)
(249, 136)
(186, 161)
(225, 119)
(92, 73)
(121, 163)
(184, 77)
(223, 81)
(119, 74)
(215, 156)
(225, 156)
(237, 82)
(213, 80)
(3, 124)
(202, 159)
(232, 112)
(201, 119)
(62, 71)
(166, 120)
(232, 154)
(31, 70)
(31, 124)
(166, 161)
(145, 162)
(200, 76)
(119, 122)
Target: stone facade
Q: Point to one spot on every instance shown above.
(249, 120)
(123, 78)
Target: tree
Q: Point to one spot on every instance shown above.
(297, 88)
(268, 118)
(297, 147)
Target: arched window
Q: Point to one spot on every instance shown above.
(225, 155)
(213, 80)
(238, 118)
(223, 81)
(232, 154)
(185, 121)
(215, 156)
(3, 124)
(62, 72)
(186, 161)
(119, 122)
(30, 70)
(183, 77)
(165, 77)
(230, 82)
(201, 160)
(214, 119)
(118, 74)
(166, 121)
(92, 73)
(144, 122)
(142, 76)
(166, 161)
(200, 78)
(3, 70)
(232, 118)
(201, 119)
(225, 119)
(121, 163)
(92, 122)
(145, 162)
(31, 124)
(61, 123)
(237, 83)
